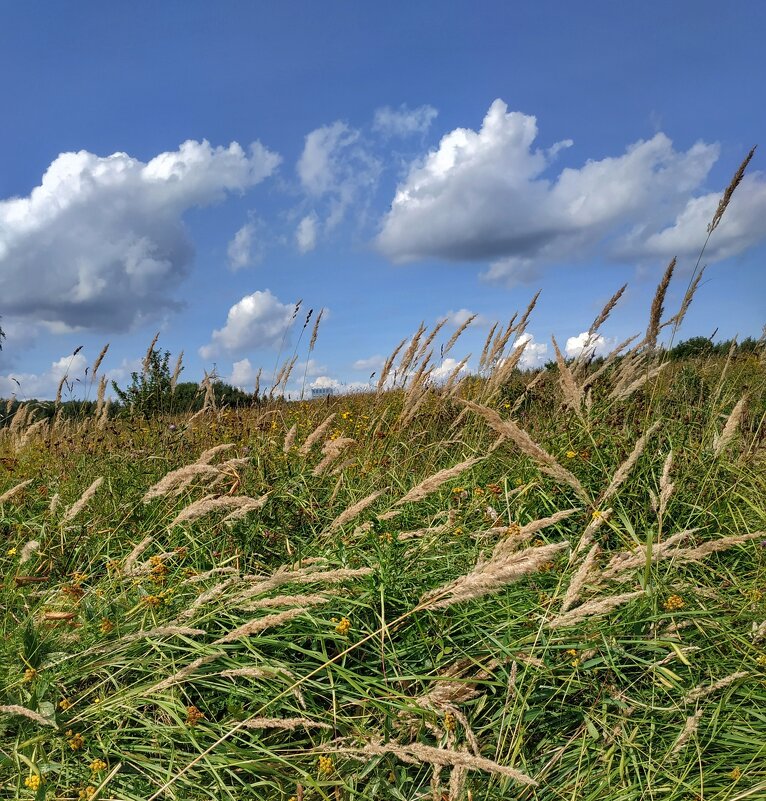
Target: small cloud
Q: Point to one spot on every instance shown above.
(243, 375)
(306, 233)
(403, 121)
(446, 368)
(459, 317)
(241, 250)
(597, 346)
(370, 363)
(534, 352)
(256, 321)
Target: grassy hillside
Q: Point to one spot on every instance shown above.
(516, 586)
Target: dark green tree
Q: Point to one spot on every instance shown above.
(150, 392)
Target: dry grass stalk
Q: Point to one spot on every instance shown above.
(99, 359)
(9, 493)
(592, 608)
(484, 358)
(288, 724)
(149, 351)
(432, 483)
(79, 505)
(726, 199)
(261, 624)
(720, 443)
(458, 332)
(591, 379)
(528, 446)
(286, 600)
(207, 456)
(30, 547)
(430, 338)
(597, 520)
(623, 471)
(522, 326)
(491, 576)
(451, 384)
(226, 503)
(702, 691)
(418, 753)
(176, 372)
(384, 373)
(209, 595)
(22, 711)
(161, 631)
(678, 318)
(684, 555)
(453, 686)
(316, 435)
(100, 396)
(19, 419)
(331, 450)
(184, 673)
(620, 393)
(257, 672)
(306, 575)
(290, 439)
(572, 594)
(571, 390)
(658, 306)
(354, 510)
(666, 486)
(409, 354)
(178, 480)
(623, 562)
(689, 729)
(216, 571)
(606, 311)
(132, 557)
(250, 505)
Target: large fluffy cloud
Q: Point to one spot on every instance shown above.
(101, 243)
(490, 195)
(256, 321)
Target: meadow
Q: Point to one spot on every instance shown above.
(538, 585)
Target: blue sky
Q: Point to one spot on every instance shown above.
(196, 168)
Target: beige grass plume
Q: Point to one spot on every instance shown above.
(726, 199)
(287, 724)
(571, 390)
(703, 690)
(9, 493)
(99, 359)
(207, 456)
(528, 446)
(432, 483)
(30, 714)
(572, 594)
(290, 439)
(491, 576)
(227, 503)
(83, 501)
(458, 332)
(658, 306)
(389, 363)
(316, 435)
(176, 481)
(354, 510)
(176, 372)
(331, 450)
(149, 351)
(261, 624)
(720, 443)
(623, 471)
(592, 608)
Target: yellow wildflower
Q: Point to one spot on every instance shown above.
(571, 454)
(343, 626)
(97, 765)
(75, 741)
(193, 716)
(105, 626)
(325, 765)
(674, 603)
(12, 552)
(449, 721)
(735, 774)
(64, 704)
(33, 782)
(30, 674)
(87, 792)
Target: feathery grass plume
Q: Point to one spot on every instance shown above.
(458, 332)
(59, 389)
(759, 632)
(658, 306)
(354, 510)
(720, 443)
(683, 555)
(265, 672)
(261, 624)
(159, 631)
(290, 439)
(316, 435)
(623, 471)
(209, 595)
(54, 504)
(100, 397)
(178, 480)
(215, 571)
(30, 547)
(131, 559)
(99, 359)
(84, 499)
(288, 724)
(623, 393)
(571, 390)
(183, 674)
(528, 388)
(210, 503)
(572, 594)
(207, 384)
(207, 456)
(689, 729)
(9, 493)
(659, 503)
(590, 379)
(592, 608)
(384, 373)
(606, 311)
(149, 351)
(691, 290)
(311, 574)
(452, 383)
(430, 338)
(529, 447)
(453, 686)
(626, 561)
(22, 711)
(491, 576)
(286, 600)
(726, 199)
(331, 450)
(409, 354)
(503, 370)
(703, 690)
(418, 753)
(176, 372)
(250, 505)
(484, 358)
(257, 385)
(20, 419)
(432, 483)
(522, 326)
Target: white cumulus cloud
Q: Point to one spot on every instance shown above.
(256, 321)
(596, 346)
(403, 121)
(459, 317)
(446, 368)
(489, 195)
(534, 352)
(370, 363)
(44, 385)
(306, 233)
(101, 243)
(242, 250)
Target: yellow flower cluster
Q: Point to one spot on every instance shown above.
(193, 716)
(343, 627)
(449, 721)
(325, 766)
(97, 765)
(33, 782)
(30, 674)
(75, 741)
(87, 792)
(674, 603)
(105, 626)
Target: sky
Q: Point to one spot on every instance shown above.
(196, 169)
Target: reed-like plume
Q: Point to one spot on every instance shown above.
(592, 608)
(432, 483)
(316, 435)
(80, 504)
(722, 441)
(354, 510)
(623, 471)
